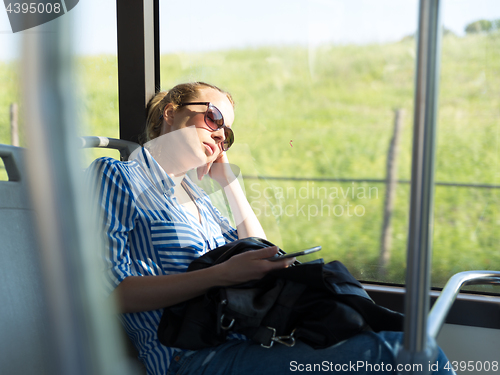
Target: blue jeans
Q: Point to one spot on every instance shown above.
(365, 353)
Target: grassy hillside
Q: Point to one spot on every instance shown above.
(334, 105)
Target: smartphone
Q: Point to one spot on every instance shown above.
(297, 254)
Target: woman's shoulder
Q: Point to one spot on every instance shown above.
(108, 168)
(110, 162)
(106, 164)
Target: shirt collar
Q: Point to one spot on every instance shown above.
(196, 192)
(158, 176)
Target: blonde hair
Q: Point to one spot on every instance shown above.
(179, 94)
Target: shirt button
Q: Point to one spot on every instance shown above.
(177, 358)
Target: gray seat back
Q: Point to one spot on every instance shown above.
(23, 308)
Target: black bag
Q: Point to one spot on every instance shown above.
(320, 304)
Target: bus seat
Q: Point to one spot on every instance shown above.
(23, 309)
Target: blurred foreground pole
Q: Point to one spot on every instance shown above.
(418, 349)
(83, 336)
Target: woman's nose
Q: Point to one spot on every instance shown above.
(219, 136)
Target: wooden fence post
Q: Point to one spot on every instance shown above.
(14, 129)
(390, 191)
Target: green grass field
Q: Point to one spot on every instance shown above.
(334, 105)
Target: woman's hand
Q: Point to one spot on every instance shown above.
(247, 223)
(251, 265)
(144, 293)
(219, 170)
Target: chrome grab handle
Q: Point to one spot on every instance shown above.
(125, 147)
(445, 300)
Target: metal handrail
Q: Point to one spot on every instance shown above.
(442, 306)
(124, 147)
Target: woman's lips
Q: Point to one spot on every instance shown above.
(210, 148)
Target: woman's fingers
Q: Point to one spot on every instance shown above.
(266, 252)
(269, 252)
(222, 158)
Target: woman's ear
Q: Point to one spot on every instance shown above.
(168, 113)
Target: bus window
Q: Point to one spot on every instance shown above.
(320, 88)
(11, 131)
(467, 202)
(96, 71)
(316, 86)
(3, 171)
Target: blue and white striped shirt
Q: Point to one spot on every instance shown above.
(147, 232)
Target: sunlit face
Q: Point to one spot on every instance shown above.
(209, 141)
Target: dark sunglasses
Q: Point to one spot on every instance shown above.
(215, 121)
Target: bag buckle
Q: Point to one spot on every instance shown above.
(223, 302)
(287, 340)
(224, 327)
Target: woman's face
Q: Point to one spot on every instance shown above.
(208, 145)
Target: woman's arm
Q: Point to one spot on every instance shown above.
(143, 293)
(247, 223)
